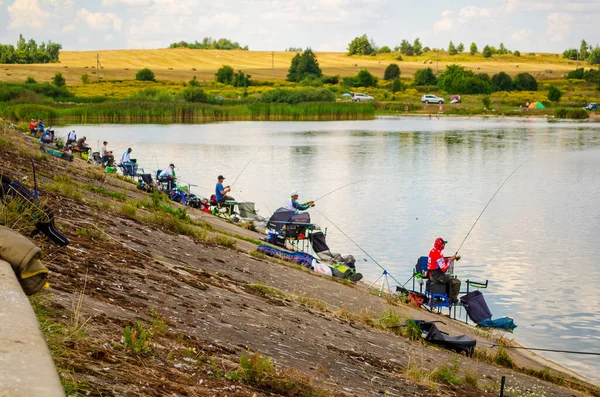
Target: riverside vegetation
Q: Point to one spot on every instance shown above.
(309, 87)
(211, 316)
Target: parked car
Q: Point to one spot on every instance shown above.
(431, 99)
(455, 99)
(591, 106)
(357, 97)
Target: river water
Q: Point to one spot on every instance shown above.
(538, 242)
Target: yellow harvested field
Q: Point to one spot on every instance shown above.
(182, 64)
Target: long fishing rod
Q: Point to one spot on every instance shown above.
(489, 202)
(339, 188)
(246, 166)
(359, 247)
(541, 350)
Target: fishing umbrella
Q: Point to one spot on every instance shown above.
(536, 105)
(346, 94)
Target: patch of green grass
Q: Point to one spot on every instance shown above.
(268, 291)
(137, 339)
(471, 378)
(545, 374)
(258, 254)
(129, 211)
(5, 143)
(224, 241)
(503, 359)
(96, 176)
(91, 233)
(175, 225)
(447, 374)
(105, 192)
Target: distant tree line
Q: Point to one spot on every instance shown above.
(584, 53)
(29, 52)
(208, 43)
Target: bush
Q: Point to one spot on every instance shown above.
(293, 96)
(224, 74)
(458, 80)
(385, 50)
(145, 75)
(502, 82)
(486, 101)
(194, 94)
(424, 77)
(525, 82)
(396, 85)
(594, 57)
(85, 78)
(58, 80)
(576, 74)
(303, 66)
(517, 53)
(30, 80)
(487, 52)
(241, 79)
(392, 72)
(577, 114)
(330, 79)
(365, 79)
(554, 94)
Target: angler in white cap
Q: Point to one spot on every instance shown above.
(293, 205)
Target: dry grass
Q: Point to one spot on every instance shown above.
(177, 64)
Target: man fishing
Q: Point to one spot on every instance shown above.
(221, 191)
(293, 205)
(437, 266)
(168, 175)
(129, 165)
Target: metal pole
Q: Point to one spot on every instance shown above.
(437, 62)
(502, 381)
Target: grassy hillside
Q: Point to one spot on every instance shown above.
(182, 64)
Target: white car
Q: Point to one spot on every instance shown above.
(361, 97)
(431, 99)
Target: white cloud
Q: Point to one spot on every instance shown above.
(531, 5)
(522, 34)
(471, 12)
(26, 13)
(100, 21)
(125, 3)
(446, 23)
(68, 28)
(558, 25)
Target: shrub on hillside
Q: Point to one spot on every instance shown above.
(525, 82)
(293, 96)
(391, 72)
(577, 113)
(365, 79)
(145, 75)
(224, 74)
(58, 80)
(554, 94)
(194, 94)
(424, 77)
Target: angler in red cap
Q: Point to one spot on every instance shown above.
(437, 266)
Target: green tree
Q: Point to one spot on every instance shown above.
(145, 75)
(21, 43)
(486, 102)
(583, 50)
(502, 50)
(452, 49)
(473, 49)
(194, 82)
(303, 66)
(502, 82)
(554, 94)
(385, 50)
(426, 49)
(571, 54)
(405, 48)
(241, 79)
(365, 79)
(30, 80)
(391, 72)
(458, 80)
(460, 47)
(194, 94)
(224, 74)
(517, 53)
(58, 80)
(594, 57)
(417, 47)
(424, 77)
(360, 46)
(396, 85)
(525, 82)
(576, 74)
(487, 52)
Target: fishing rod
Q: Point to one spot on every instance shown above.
(339, 188)
(489, 202)
(359, 247)
(246, 166)
(540, 349)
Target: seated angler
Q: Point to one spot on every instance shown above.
(71, 138)
(106, 155)
(221, 191)
(168, 175)
(82, 146)
(293, 205)
(437, 266)
(129, 165)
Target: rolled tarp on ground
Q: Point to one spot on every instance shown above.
(26, 367)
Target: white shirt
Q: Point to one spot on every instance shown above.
(103, 150)
(72, 136)
(126, 158)
(167, 172)
(289, 205)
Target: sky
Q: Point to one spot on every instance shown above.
(323, 25)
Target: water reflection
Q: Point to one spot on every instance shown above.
(537, 242)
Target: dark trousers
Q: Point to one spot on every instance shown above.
(453, 284)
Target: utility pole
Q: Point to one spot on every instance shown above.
(273, 63)
(98, 67)
(437, 62)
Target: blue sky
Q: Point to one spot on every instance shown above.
(324, 25)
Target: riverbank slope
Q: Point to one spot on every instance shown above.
(149, 299)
